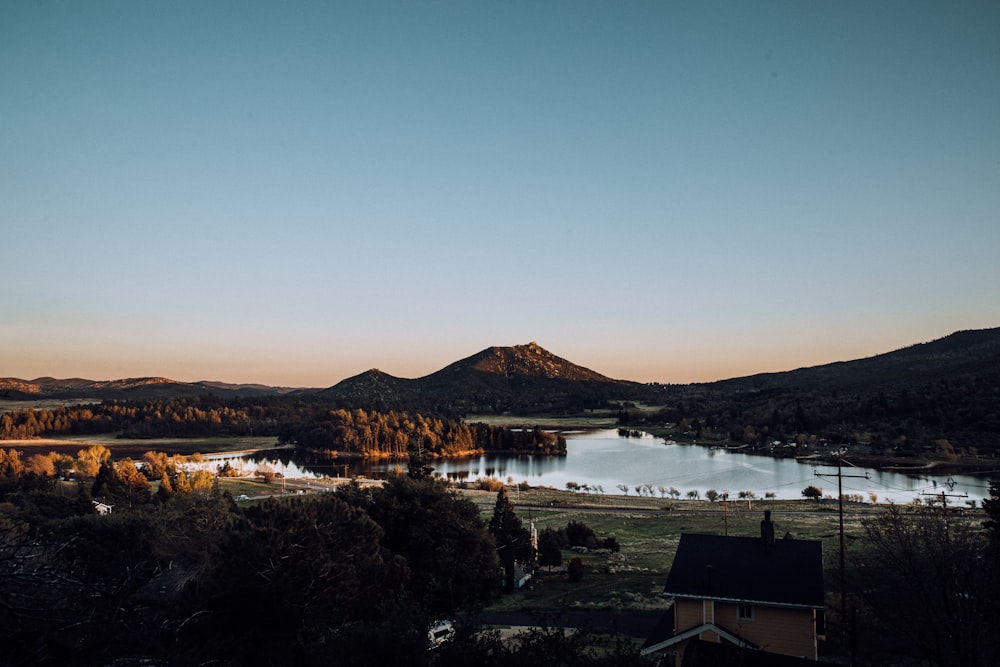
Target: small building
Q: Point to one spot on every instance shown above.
(102, 507)
(756, 593)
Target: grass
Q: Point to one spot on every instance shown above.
(648, 532)
(238, 486)
(136, 447)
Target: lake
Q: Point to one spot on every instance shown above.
(604, 459)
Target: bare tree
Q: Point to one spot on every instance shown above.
(923, 581)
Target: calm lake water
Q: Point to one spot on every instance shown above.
(605, 459)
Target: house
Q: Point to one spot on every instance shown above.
(102, 507)
(521, 576)
(757, 593)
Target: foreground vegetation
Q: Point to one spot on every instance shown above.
(179, 573)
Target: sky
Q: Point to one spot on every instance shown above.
(292, 193)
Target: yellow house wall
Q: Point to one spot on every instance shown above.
(687, 614)
(775, 629)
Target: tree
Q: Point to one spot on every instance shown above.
(439, 537)
(107, 484)
(165, 490)
(813, 492)
(992, 507)
(88, 461)
(712, 495)
(40, 464)
(512, 539)
(579, 534)
(201, 481)
(549, 553)
(156, 464)
(575, 569)
(923, 580)
(182, 485)
(295, 568)
(134, 483)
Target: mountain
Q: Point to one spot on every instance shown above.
(125, 389)
(529, 379)
(974, 353)
(229, 389)
(498, 379)
(374, 387)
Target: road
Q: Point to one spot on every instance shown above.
(632, 623)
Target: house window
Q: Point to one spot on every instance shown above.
(744, 612)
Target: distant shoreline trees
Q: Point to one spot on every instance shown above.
(309, 424)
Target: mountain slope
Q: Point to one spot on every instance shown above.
(964, 353)
(124, 389)
(497, 379)
(530, 379)
(373, 387)
(519, 361)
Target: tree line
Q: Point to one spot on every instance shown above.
(396, 435)
(312, 424)
(955, 419)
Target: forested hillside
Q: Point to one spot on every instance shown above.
(939, 400)
(308, 423)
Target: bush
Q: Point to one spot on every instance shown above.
(813, 492)
(611, 543)
(579, 534)
(490, 484)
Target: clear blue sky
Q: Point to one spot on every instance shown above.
(295, 192)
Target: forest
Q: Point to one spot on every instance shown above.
(951, 420)
(310, 423)
(183, 576)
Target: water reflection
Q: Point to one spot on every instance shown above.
(603, 461)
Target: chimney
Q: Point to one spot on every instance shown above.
(767, 530)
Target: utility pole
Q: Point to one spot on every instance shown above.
(944, 496)
(944, 507)
(843, 550)
(725, 510)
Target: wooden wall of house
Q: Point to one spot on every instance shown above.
(687, 614)
(789, 631)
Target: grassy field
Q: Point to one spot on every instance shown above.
(649, 533)
(136, 447)
(44, 403)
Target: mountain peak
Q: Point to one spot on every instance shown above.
(525, 361)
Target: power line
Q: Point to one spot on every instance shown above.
(843, 552)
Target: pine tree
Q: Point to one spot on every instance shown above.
(183, 485)
(513, 540)
(166, 489)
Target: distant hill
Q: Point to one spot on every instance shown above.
(145, 388)
(529, 379)
(498, 379)
(937, 401)
(962, 354)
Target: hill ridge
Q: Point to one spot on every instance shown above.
(519, 375)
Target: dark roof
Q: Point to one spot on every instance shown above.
(164, 587)
(789, 572)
